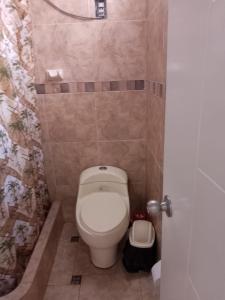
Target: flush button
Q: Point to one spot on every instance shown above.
(102, 168)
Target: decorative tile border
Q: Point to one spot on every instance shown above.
(90, 87)
(156, 88)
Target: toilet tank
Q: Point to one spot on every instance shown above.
(103, 174)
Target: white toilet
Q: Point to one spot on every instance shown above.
(103, 212)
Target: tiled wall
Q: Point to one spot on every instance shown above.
(114, 49)
(156, 71)
(107, 109)
(82, 130)
(98, 114)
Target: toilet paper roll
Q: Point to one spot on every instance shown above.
(54, 75)
(156, 272)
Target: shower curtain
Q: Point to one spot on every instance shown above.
(23, 193)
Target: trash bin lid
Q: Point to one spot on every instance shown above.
(142, 234)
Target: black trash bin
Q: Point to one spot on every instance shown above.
(140, 250)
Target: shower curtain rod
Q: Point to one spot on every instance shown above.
(50, 3)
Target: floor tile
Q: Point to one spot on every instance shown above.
(62, 269)
(148, 290)
(111, 284)
(69, 230)
(66, 292)
(112, 287)
(84, 266)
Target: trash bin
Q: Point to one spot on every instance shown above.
(140, 250)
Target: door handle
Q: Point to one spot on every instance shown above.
(154, 207)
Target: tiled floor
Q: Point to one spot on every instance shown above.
(72, 258)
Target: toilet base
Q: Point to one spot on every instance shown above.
(104, 257)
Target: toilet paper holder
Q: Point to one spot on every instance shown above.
(155, 207)
(54, 75)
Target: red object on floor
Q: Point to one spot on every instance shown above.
(140, 215)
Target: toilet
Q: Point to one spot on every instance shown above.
(103, 212)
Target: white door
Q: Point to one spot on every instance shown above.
(193, 246)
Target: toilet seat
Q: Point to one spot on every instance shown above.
(102, 211)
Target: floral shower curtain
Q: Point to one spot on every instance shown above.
(23, 193)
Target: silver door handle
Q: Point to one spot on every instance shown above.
(154, 207)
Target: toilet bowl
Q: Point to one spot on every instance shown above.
(102, 212)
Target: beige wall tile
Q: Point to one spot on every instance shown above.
(129, 155)
(122, 50)
(137, 194)
(127, 9)
(154, 178)
(155, 190)
(121, 115)
(70, 117)
(42, 13)
(71, 158)
(92, 51)
(71, 47)
(156, 123)
(42, 117)
(156, 57)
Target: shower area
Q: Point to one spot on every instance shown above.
(24, 200)
(82, 83)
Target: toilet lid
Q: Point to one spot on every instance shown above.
(102, 211)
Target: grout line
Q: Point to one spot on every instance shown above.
(96, 122)
(58, 284)
(156, 162)
(79, 292)
(97, 132)
(81, 93)
(94, 141)
(89, 9)
(145, 20)
(122, 140)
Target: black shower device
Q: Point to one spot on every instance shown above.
(101, 9)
